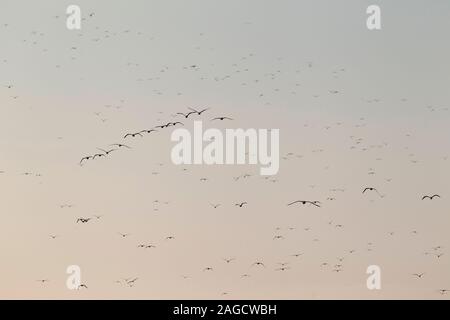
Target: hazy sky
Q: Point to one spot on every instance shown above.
(267, 64)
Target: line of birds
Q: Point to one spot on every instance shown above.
(116, 146)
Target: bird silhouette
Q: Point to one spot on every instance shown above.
(119, 145)
(186, 115)
(372, 189)
(221, 118)
(198, 112)
(241, 204)
(431, 197)
(258, 264)
(133, 135)
(314, 203)
(107, 152)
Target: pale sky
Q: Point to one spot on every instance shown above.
(266, 64)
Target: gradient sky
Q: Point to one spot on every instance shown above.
(267, 64)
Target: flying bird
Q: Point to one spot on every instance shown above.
(240, 205)
(148, 131)
(43, 280)
(431, 197)
(221, 118)
(132, 135)
(198, 112)
(186, 115)
(124, 235)
(258, 264)
(372, 189)
(119, 145)
(174, 123)
(86, 158)
(98, 155)
(107, 152)
(315, 203)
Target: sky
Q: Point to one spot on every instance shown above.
(355, 108)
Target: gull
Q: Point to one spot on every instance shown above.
(198, 112)
(170, 238)
(431, 197)
(443, 291)
(43, 280)
(83, 220)
(221, 118)
(107, 152)
(148, 131)
(228, 260)
(119, 145)
(258, 264)
(174, 123)
(282, 269)
(131, 282)
(296, 255)
(53, 236)
(215, 206)
(124, 235)
(278, 237)
(208, 269)
(240, 205)
(86, 158)
(418, 275)
(98, 155)
(372, 189)
(132, 135)
(186, 115)
(315, 203)
(82, 286)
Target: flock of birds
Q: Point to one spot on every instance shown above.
(285, 266)
(116, 146)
